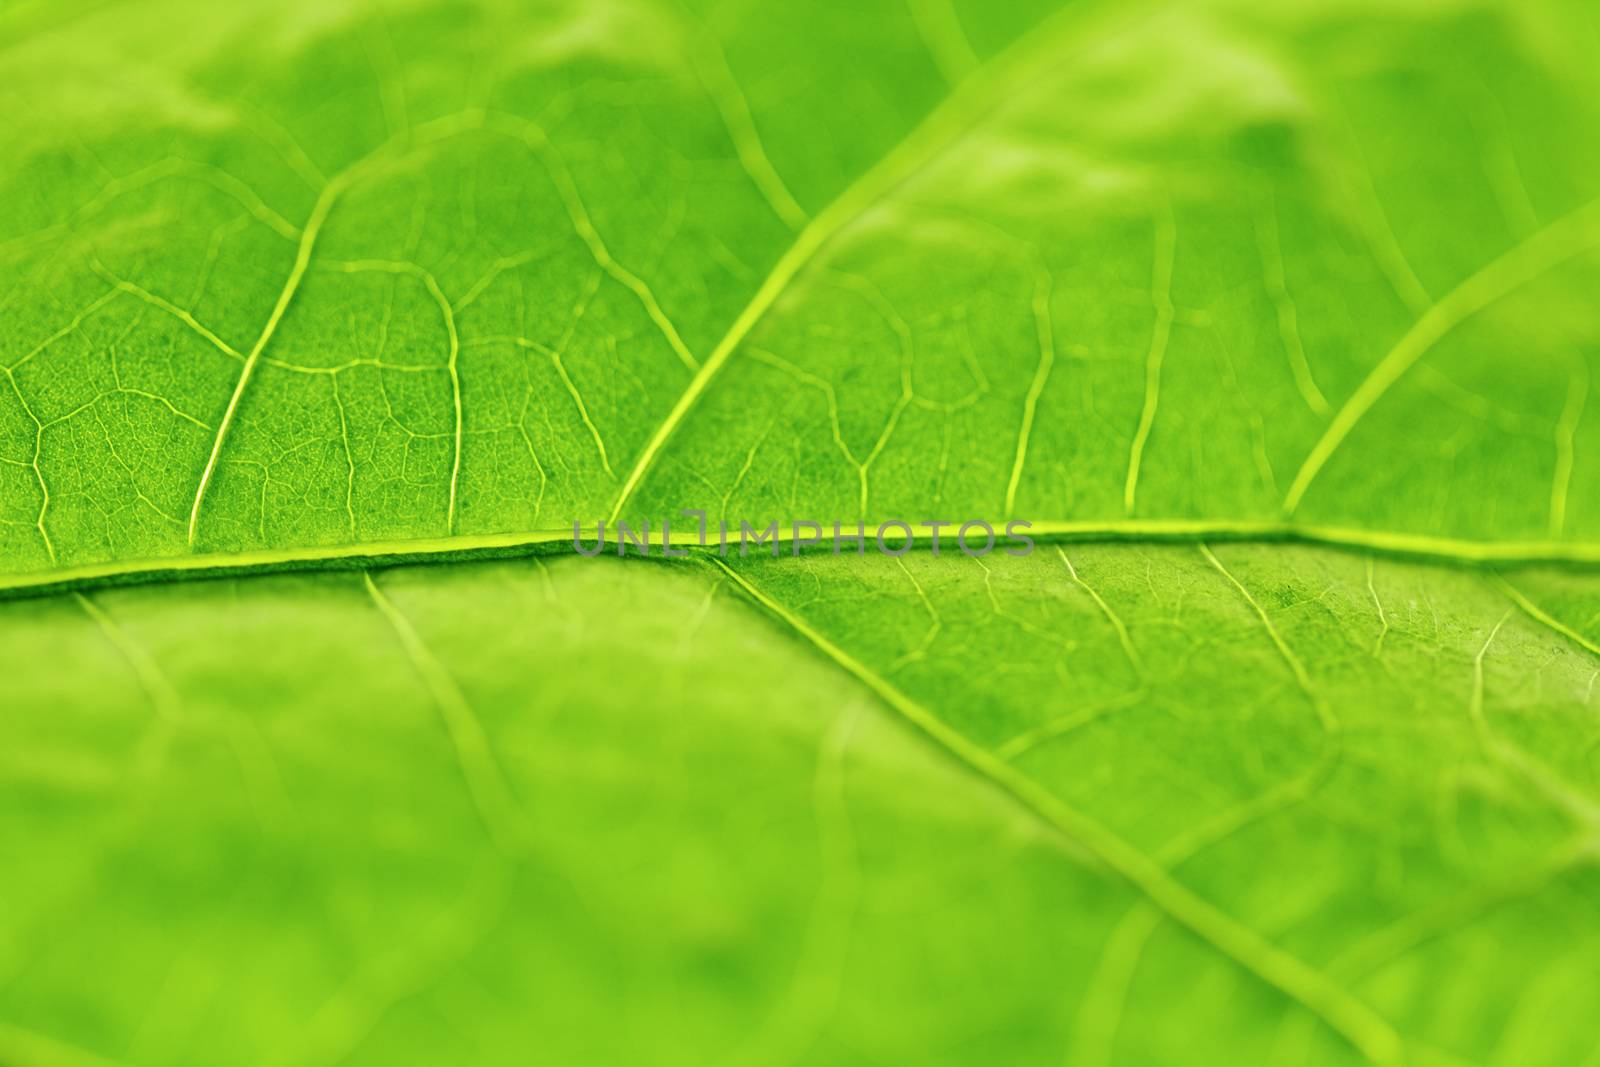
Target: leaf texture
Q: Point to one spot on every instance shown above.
(1274, 320)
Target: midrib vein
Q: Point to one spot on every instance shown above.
(944, 125)
(1353, 1020)
(465, 548)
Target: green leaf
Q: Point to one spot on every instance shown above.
(1274, 320)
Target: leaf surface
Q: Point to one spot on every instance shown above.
(1275, 321)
